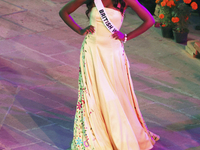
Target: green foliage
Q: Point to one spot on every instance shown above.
(176, 14)
(182, 11)
(167, 12)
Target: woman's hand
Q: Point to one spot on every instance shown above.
(89, 29)
(118, 36)
(144, 15)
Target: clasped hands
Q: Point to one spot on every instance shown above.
(90, 29)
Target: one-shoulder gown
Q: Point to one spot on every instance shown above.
(107, 113)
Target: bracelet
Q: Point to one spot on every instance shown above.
(125, 39)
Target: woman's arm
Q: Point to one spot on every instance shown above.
(65, 15)
(144, 14)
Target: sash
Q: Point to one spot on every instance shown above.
(104, 16)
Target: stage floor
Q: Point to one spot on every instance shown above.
(39, 60)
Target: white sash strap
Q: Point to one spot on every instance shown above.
(104, 16)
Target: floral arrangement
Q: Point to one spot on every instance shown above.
(176, 14)
(182, 14)
(166, 9)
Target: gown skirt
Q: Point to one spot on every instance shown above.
(107, 112)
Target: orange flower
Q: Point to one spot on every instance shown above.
(161, 16)
(186, 18)
(163, 25)
(194, 5)
(171, 3)
(163, 3)
(187, 1)
(175, 19)
(157, 1)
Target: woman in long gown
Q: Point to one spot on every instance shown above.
(107, 113)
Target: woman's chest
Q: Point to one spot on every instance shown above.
(109, 4)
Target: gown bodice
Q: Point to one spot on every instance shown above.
(115, 17)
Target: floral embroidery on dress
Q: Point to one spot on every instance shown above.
(80, 138)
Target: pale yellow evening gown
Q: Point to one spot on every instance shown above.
(107, 114)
